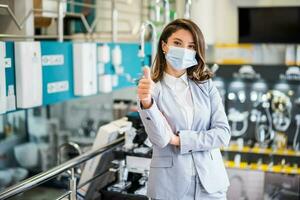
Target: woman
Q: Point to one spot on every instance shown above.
(184, 118)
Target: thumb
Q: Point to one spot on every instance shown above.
(147, 72)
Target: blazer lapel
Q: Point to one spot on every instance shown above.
(198, 95)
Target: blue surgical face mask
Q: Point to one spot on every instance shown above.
(181, 58)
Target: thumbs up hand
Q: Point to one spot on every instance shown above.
(145, 88)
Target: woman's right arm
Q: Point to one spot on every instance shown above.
(156, 125)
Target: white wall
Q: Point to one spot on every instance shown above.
(203, 13)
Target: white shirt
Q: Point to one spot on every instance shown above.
(182, 93)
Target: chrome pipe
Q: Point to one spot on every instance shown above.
(91, 180)
(48, 175)
(64, 195)
(73, 185)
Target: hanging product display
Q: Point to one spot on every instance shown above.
(85, 69)
(29, 83)
(237, 114)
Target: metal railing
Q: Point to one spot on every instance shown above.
(52, 173)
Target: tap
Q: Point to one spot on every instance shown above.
(141, 53)
(68, 148)
(187, 10)
(166, 6)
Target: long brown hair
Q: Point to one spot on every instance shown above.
(196, 73)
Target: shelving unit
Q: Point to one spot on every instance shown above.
(258, 150)
(263, 167)
(282, 169)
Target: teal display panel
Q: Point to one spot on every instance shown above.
(62, 72)
(59, 72)
(10, 71)
(10, 74)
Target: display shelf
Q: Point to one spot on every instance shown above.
(252, 64)
(258, 150)
(282, 169)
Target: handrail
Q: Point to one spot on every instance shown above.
(45, 176)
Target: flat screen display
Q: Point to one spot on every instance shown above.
(269, 25)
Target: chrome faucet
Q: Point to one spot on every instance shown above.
(69, 147)
(143, 28)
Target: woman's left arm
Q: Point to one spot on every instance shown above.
(217, 136)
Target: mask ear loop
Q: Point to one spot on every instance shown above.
(166, 45)
(163, 42)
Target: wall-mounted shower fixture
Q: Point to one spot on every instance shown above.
(141, 52)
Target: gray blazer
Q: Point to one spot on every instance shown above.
(170, 165)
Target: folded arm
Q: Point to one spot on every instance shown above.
(217, 136)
